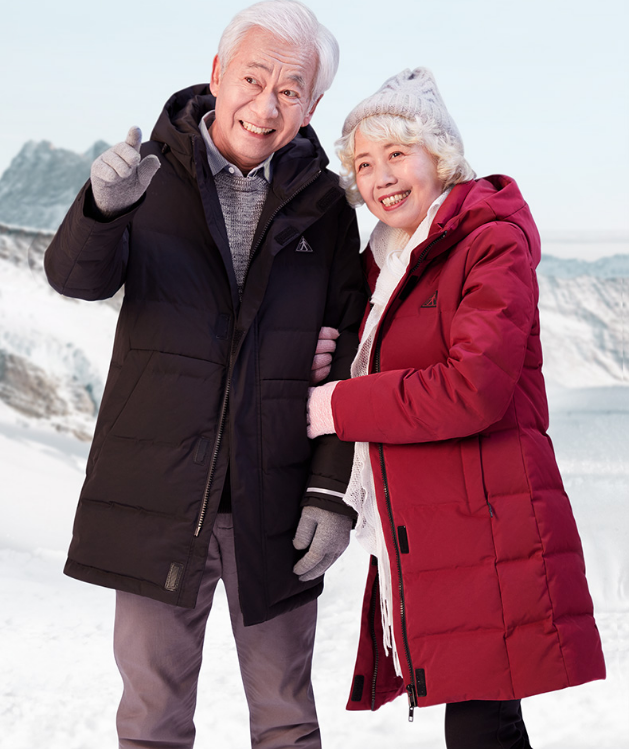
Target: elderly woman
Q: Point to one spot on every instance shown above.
(476, 587)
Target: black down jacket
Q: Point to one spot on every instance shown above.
(199, 379)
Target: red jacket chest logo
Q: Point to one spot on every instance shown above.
(432, 301)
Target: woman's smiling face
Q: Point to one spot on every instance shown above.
(397, 182)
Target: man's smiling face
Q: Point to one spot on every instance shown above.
(263, 98)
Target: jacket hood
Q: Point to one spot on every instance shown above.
(469, 206)
(178, 127)
(178, 122)
(483, 201)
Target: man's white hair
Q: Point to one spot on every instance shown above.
(293, 22)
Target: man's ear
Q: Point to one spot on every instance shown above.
(310, 114)
(215, 76)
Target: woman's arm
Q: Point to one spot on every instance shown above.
(473, 387)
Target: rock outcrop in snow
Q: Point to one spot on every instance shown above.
(54, 351)
(64, 402)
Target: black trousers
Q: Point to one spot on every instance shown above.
(485, 724)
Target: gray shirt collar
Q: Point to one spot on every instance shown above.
(218, 163)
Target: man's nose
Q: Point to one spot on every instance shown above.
(265, 105)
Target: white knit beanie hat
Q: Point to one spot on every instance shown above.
(409, 94)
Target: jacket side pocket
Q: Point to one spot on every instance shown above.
(476, 494)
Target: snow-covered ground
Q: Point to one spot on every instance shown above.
(60, 686)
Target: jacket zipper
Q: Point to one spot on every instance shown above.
(209, 479)
(222, 421)
(410, 688)
(422, 257)
(235, 345)
(376, 651)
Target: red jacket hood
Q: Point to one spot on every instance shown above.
(471, 205)
(482, 201)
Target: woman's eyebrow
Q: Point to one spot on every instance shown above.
(386, 147)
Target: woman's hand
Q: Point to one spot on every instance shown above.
(320, 417)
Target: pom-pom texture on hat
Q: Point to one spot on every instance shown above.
(409, 94)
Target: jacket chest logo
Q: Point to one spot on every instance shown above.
(303, 246)
(432, 301)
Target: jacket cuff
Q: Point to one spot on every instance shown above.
(353, 409)
(332, 505)
(327, 499)
(92, 211)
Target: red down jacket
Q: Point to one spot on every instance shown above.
(486, 562)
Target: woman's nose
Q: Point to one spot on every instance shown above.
(385, 176)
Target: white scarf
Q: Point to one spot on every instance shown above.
(391, 250)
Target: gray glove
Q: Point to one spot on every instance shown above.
(327, 535)
(119, 178)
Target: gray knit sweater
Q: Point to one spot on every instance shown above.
(242, 200)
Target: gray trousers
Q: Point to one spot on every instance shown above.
(158, 650)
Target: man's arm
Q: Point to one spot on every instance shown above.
(326, 520)
(88, 255)
(346, 302)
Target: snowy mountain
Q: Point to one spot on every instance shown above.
(41, 183)
(584, 308)
(613, 266)
(54, 351)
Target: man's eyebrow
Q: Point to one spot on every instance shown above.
(360, 156)
(296, 77)
(259, 65)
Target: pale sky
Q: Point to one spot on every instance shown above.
(538, 89)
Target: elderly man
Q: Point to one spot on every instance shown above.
(236, 247)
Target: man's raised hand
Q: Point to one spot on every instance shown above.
(119, 177)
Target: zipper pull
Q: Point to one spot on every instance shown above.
(412, 702)
(489, 507)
